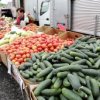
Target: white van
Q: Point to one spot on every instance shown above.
(53, 12)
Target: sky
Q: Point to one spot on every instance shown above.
(5, 1)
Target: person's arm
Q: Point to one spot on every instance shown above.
(17, 21)
(26, 19)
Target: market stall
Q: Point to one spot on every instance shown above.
(51, 64)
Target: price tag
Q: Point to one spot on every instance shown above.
(61, 27)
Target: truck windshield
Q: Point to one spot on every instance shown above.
(44, 7)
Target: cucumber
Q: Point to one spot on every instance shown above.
(54, 79)
(82, 80)
(66, 55)
(91, 40)
(35, 66)
(89, 64)
(42, 86)
(40, 79)
(94, 87)
(86, 90)
(57, 83)
(40, 98)
(39, 70)
(25, 75)
(77, 58)
(62, 74)
(65, 60)
(60, 65)
(50, 75)
(37, 55)
(96, 59)
(80, 93)
(33, 57)
(58, 57)
(75, 54)
(91, 60)
(29, 60)
(34, 72)
(98, 49)
(52, 98)
(80, 52)
(29, 72)
(82, 61)
(50, 57)
(85, 38)
(44, 56)
(66, 83)
(55, 61)
(25, 65)
(81, 74)
(47, 63)
(68, 68)
(44, 72)
(80, 47)
(91, 54)
(91, 72)
(37, 61)
(70, 95)
(62, 97)
(88, 82)
(42, 65)
(51, 92)
(90, 97)
(97, 64)
(74, 81)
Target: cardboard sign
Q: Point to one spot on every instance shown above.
(61, 27)
(17, 76)
(9, 66)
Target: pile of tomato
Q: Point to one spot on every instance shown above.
(3, 32)
(30, 27)
(22, 48)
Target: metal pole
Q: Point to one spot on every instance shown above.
(96, 25)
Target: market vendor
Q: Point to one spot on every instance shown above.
(21, 17)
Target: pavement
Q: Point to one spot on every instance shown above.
(9, 89)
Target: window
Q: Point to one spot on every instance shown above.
(44, 7)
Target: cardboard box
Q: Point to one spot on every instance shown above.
(32, 88)
(4, 58)
(49, 30)
(62, 34)
(69, 34)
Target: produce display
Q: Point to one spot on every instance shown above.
(3, 32)
(31, 27)
(5, 22)
(72, 73)
(62, 68)
(22, 48)
(12, 36)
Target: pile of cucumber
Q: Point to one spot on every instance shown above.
(72, 73)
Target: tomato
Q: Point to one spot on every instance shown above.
(20, 60)
(18, 56)
(43, 45)
(27, 55)
(50, 45)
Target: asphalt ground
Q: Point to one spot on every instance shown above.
(9, 88)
